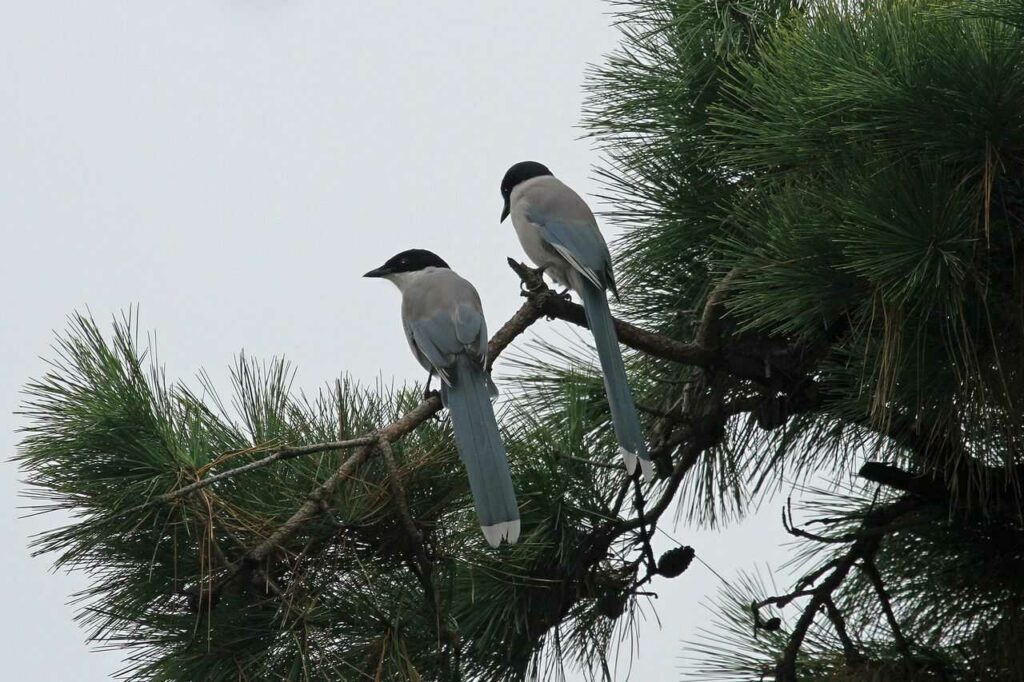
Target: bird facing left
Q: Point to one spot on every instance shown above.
(444, 325)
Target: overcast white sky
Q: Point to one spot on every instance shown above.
(232, 166)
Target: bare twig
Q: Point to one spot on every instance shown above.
(591, 462)
(783, 600)
(867, 566)
(853, 656)
(792, 529)
(864, 546)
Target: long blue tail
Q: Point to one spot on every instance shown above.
(616, 386)
(478, 441)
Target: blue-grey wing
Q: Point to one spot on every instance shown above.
(471, 331)
(581, 244)
(442, 337)
(426, 352)
(443, 320)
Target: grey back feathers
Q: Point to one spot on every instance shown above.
(443, 319)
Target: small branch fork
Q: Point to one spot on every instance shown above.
(864, 543)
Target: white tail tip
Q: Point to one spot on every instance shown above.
(629, 458)
(506, 530)
(646, 466)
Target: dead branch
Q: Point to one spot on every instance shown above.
(865, 545)
(852, 654)
(867, 566)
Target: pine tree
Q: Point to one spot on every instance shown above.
(823, 205)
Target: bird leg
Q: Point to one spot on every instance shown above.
(427, 393)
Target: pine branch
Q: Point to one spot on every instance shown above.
(853, 656)
(424, 564)
(763, 363)
(864, 547)
(555, 306)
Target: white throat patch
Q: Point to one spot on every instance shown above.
(404, 280)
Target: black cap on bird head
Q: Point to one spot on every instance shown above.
(408, 261)
(520, 172)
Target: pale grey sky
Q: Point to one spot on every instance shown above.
(232, 166)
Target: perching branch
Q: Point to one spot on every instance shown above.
(754, 364)
(658, 345)
(693, 435)
(688, 438)
(540, 301)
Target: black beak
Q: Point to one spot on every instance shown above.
(504, 211)
(378, 272)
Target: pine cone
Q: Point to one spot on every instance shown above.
(675, 561)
